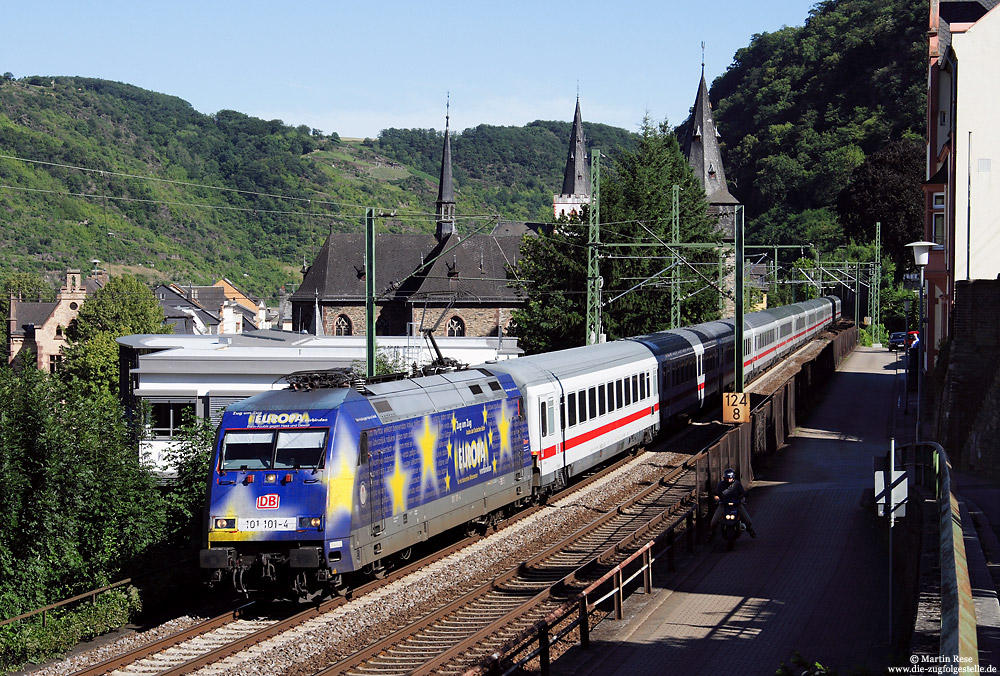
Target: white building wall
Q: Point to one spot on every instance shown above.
(977, 148)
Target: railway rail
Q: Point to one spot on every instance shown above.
(475, 625)
(207, 642)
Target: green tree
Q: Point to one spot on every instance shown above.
(184, 499)
(636, 207)
(77, 503)
(801, 108)
(886, 188)
(123, 307)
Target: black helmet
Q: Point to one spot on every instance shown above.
(729, 475)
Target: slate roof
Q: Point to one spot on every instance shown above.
(35, 314)
(181, 313)
(416, 267)
(576, 180)
(701, 147)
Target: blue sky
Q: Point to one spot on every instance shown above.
(357, 67)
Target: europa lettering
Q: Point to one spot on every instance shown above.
(263, 419)
(472, 454)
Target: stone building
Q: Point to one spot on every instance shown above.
(451, 283)
(39, 329)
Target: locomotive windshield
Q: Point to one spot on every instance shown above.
(273, 449)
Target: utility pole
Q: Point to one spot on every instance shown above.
(675, 277)
(593, 327)
(876, 287)
(738, 381)
(370, 291)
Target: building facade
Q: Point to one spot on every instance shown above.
(961, 204)
(39, 329)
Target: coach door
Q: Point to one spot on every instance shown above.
(699, 359)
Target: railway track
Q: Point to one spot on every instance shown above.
(479, 623)
(208, 642)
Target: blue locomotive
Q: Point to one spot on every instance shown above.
(315, 484)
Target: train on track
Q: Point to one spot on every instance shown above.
(329, 479)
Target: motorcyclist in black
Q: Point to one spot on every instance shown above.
(730, 490)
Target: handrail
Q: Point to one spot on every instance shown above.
(92, 595)
(958, 612)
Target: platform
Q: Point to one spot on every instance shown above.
(814, 581)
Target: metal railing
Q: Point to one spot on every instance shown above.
(958, 612)
(92, 595)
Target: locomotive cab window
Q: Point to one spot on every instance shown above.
(295, 449)
(250, 450)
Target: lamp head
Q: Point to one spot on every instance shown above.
(921, 252)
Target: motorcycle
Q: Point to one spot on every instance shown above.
(732, 525)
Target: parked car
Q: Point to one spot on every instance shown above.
(898, 340)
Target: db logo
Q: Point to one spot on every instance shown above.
(268, 501)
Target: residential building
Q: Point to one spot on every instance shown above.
(962, 207)
(39, 329)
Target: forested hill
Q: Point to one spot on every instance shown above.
(92, 169)
(823, 124)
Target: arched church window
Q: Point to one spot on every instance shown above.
(343, 326)
(456, 327)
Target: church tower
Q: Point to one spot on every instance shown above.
(446, 190)
(576, 180)
(701, 148)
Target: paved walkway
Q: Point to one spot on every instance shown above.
(815, 579)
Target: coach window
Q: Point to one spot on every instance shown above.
(552, 417)
(571, 407)
(581, 402)
(592, 395)
(611, 396)
(635, 388)
(543, 419)
(620, 395)
(642, 386)
(628, 391)
(601, 403)
(166, 416)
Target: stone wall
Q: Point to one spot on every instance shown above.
(479, 322)
(971, 371)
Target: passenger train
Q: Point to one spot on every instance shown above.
(312, 486)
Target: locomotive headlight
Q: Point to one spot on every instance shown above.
(310, 521)
(225, 524)
(270, 478)
(731, 517)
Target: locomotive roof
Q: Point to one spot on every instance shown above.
(414, 397)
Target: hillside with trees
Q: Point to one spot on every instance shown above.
(92, 169)
(803, 109)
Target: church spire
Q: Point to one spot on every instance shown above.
(576, 179)
(446, 191)
(701, 148)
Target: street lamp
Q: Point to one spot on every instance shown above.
(906, 356)
(921, 253)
